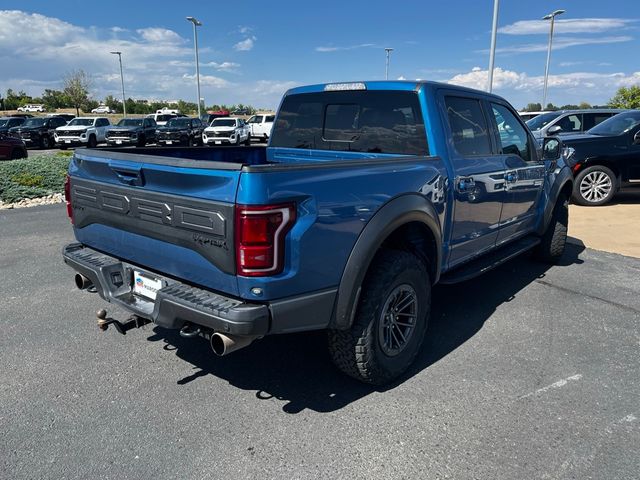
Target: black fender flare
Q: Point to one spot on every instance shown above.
(563, 178)
(395, 213)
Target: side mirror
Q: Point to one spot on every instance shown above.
(556, 129)
(551, 149)
(636, 138)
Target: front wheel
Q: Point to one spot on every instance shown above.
(92, 142)
(390, 321)
(45, 142)
(594, 186)
(554, 239)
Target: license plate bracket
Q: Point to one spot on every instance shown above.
(146, 285)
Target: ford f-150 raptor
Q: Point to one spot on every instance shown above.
(368, 194)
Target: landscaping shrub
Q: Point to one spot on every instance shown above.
(33, 177)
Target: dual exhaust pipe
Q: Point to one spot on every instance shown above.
(221, 344)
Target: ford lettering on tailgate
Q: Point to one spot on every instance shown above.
(196, 224)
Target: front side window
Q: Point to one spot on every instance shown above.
(570, 123)
(358, 121)
(513, 136)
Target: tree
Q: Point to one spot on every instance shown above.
(14, 100)
(113, 103)
(625, 97)
(53, 99)
(76, 87)
(584, 106)
(532, 107)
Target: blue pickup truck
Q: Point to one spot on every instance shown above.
(368, 194)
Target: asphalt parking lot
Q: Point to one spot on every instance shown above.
(530, 372)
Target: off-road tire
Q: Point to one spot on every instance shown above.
(577, 196)
(554, 239)
(358, 351)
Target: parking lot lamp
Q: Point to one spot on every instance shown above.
(196, 24)
(124, 102)
(386, 68)
(552, 17)
(494, 32)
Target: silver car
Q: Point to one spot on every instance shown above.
(568, 121)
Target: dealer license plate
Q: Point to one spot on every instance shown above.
(169, 142)
(218, 142)
(67, 141)
(119, 142)
(146, 285)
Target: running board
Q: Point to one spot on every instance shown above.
(489, 261)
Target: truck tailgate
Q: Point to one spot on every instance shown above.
(173, 219)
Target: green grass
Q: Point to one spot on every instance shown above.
(33, 177)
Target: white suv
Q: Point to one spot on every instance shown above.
(226, 130)
(87, 131)
(261, 126)
(101, 109)
(32, 108)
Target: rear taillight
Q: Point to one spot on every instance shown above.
(260, 233)
(67, 197)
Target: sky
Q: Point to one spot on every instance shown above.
(252, 51)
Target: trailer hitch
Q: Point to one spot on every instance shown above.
(134, 321)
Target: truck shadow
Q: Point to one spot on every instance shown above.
(296, 368)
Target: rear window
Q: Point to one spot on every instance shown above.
(362, 121)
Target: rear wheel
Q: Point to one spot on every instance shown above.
(390, 321)
(594, 186)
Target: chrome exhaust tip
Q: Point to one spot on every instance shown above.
(222, 344)
(82, 282)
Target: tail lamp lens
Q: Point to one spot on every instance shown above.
(67, 197)
(260, 234)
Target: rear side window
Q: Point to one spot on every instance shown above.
(270, 118)
(593, 119)
(468, 126)
(360, 121)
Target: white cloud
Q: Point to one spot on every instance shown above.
(160, 35)
(350, 47)
(245, 45)
(560, 43)
(207, 80)
(571, 25)
(594, 87)
(36, 51)
(244, 29)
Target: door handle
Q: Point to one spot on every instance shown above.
(128, 176)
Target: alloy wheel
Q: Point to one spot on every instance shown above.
(596, 186)
(398, 320)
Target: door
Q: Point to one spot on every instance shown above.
(632, 161)
(524, 175)
(478, 178)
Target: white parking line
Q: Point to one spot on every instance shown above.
(558, 384)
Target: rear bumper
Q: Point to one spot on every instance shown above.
(178, 303)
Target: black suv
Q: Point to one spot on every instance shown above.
(38, 131)
(606, 159)
(7, 122)
(181, 131)
(128, 131)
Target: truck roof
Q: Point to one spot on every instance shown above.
(405, 85)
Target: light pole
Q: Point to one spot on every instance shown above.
(124, 102)
(196, 24)
(386, 68)
(552, 17)
(494, 32)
